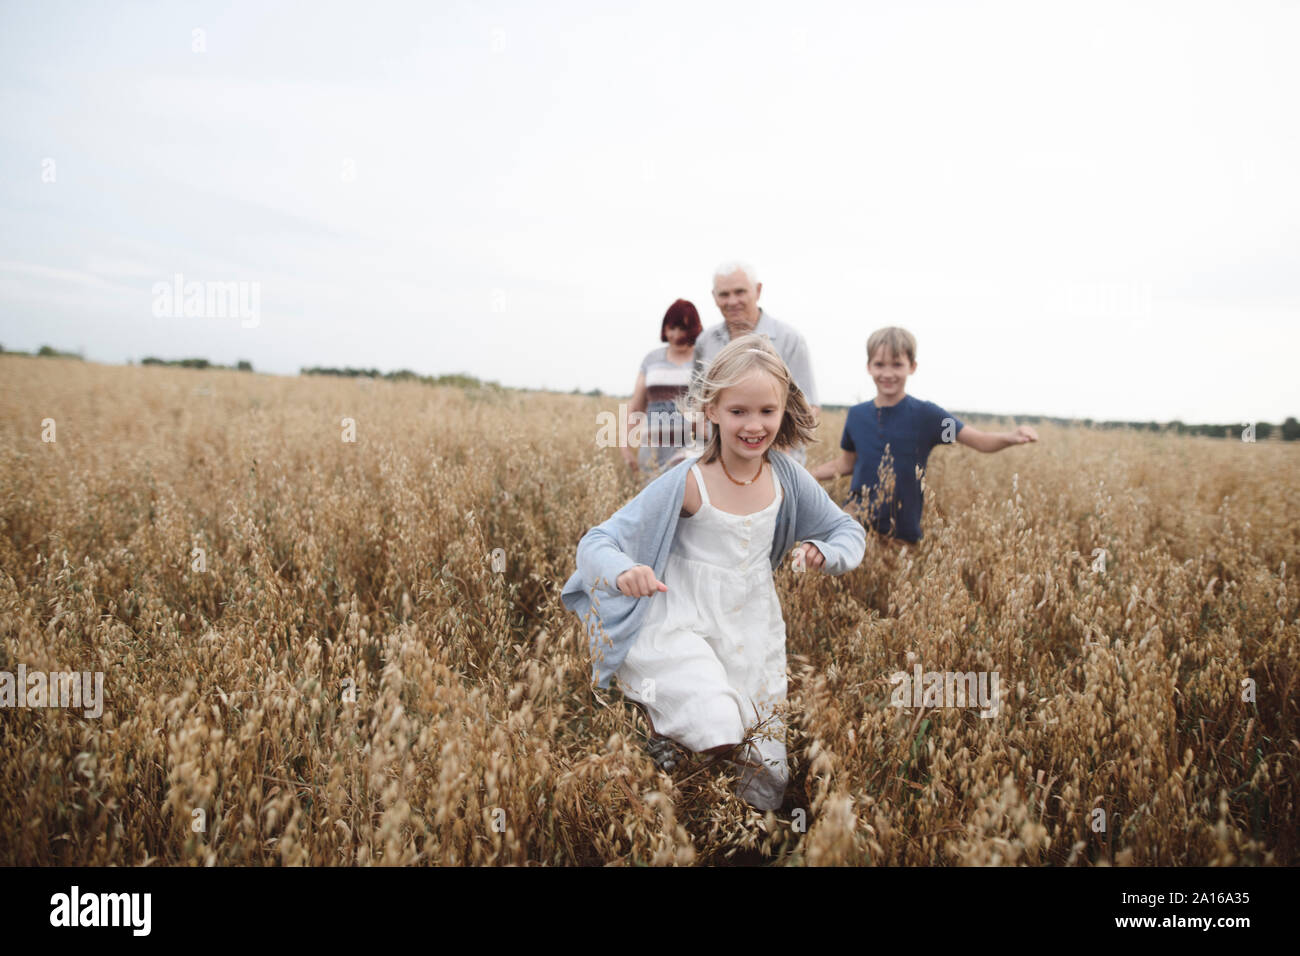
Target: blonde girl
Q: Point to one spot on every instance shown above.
(686, 615)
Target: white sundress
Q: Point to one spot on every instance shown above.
(709, 662)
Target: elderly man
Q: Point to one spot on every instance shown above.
(736, 290)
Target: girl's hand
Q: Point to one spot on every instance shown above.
(639, 582)
(812, 558)
(1024, 433)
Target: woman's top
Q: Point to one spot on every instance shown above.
(665, 381)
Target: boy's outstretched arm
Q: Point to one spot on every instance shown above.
(836, 466)
(996, 441)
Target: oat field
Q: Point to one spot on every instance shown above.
(310, 657)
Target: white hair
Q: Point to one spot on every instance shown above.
(727, 268)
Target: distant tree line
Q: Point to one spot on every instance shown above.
(1289, 430)
(456, 380)
(45, 351)
(243, 365)
(49, 351)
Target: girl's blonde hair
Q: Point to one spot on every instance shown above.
(736, 360)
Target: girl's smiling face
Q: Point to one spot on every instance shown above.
(748, 415)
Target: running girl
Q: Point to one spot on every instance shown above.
(689, 621)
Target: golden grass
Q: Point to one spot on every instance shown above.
(475, 736)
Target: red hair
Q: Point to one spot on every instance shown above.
(681, 313)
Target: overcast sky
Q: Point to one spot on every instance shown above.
(1085, 209)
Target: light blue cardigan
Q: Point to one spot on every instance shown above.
(641, 532)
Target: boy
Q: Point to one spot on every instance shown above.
(906, 428)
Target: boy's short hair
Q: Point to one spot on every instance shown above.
(897, 341)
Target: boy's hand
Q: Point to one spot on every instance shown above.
(1024, 433)
(639, 582)
(812, 558)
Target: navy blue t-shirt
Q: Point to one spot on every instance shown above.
(910, 429)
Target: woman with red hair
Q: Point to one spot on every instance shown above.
(664, 378)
